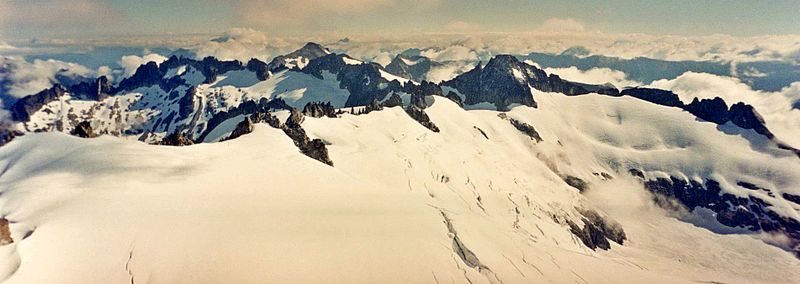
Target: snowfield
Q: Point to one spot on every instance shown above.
(401, 205)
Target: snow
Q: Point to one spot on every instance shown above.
(297, 89)
(255, 209)
(238, 79)
(518, 75)
(180, 70)
(224, 129)
(390, 77)
(351, 61)
(409, 62)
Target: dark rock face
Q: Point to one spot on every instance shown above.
(145, 76)
(259, 112)
(455, 98)
(314, 149)
(656, 96)
(259, 67)
(362, 81)
(5, 233)
(505, 81)
(309, 51)
(374, 105)
(97, 90)
(714, 110)
(576, 182)
(26, 106)
(244, 127)
(420, 116)
(596, 231)
(319, 109)
(527, 129)
(750, 213)
(83, 130)
(7, 135)
(791, 197)
(417, 70)
(393, 101)
(745, 116)
(176, 139)
(187, 102)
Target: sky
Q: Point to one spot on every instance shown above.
(28, 19)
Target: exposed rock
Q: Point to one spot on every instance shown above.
(420, 116)
(187, 103)
(636, 173)
(454, 97)
(505, 81)
(83, 130)
(656, 96)
(374, 105)
(5, 233)
(259, 67)
(750, 213)
(576, 182)
(26, 106)
(96, 90)
(596, 231)
(791, 197)
(295, 119)
(413, 67)
(308, 52)
(527, 129)
(242, 128)
(7, 135)
(176, 139)
(713, 110)
(312, 148)
(319, 109)
(393, 101)
(745, 116)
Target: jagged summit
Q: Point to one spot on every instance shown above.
(300, 57)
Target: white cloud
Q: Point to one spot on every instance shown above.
(774, 107)
(561, 25)
(447, 71)
(594, 76)
(131, 62)
(25, 78)
(452, 53)
(243, 44)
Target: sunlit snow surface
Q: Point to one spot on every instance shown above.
(254, 209)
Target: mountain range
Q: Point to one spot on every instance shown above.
(504, 173)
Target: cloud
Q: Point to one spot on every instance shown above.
(132, 62)
(295, 13)
(594, 76)
(447, 71)
(56, 13)
(774, 107)
(243, 44)
(21, 78)
(561, 25)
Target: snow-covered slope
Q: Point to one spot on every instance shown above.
(477, 202)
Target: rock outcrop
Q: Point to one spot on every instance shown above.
(83, 130)
(242, 128)
(418, 114)
(5, 233)
(26, 106)
(176, 139)
(315, 148)
(714, 110)
(749, 213)
(596, 231)
(319, 109)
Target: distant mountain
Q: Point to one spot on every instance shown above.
(767, 76)
(413, 67)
